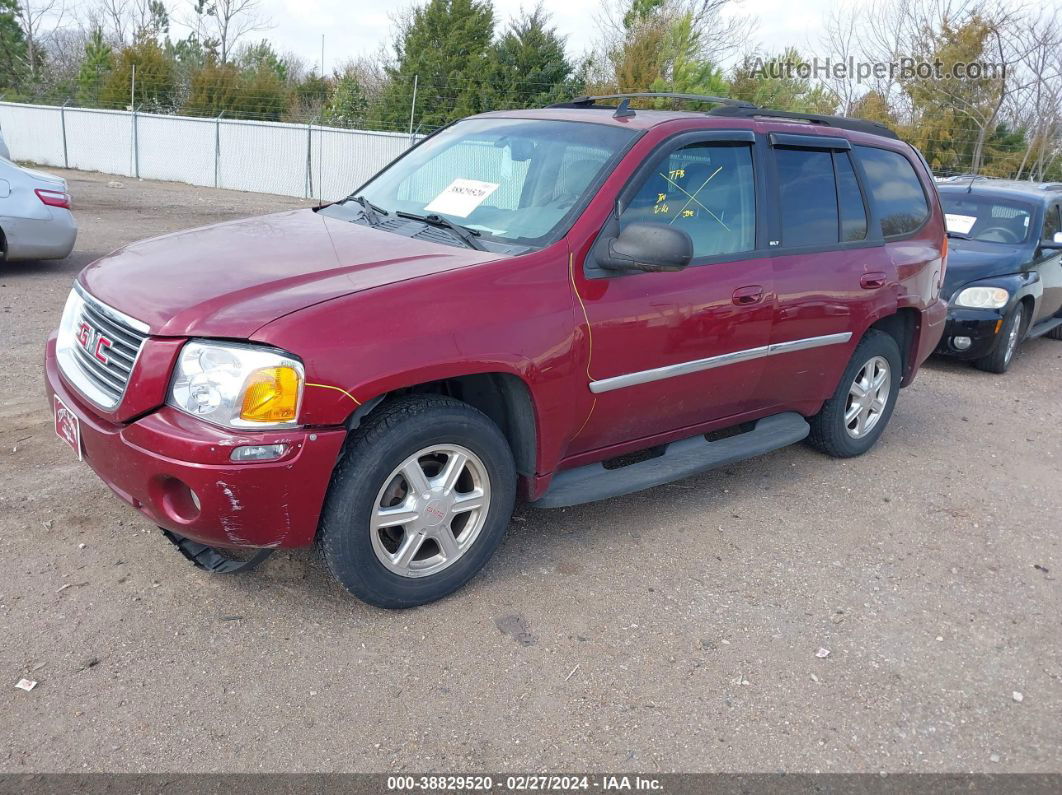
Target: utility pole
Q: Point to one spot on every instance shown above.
(135, 154)
(322, 56)
(413, 105)
(62, 119)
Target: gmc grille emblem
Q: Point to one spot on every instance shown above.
(93, 341)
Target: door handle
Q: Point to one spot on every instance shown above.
(743, 296)
(872, 281)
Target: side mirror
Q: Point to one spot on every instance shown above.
(1054, 243)
(643, 246)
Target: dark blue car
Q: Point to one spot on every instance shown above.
(1004, 279)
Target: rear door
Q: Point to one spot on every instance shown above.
(829, 266)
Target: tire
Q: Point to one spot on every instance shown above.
(435, 551)
(830, 433)
(1055, 333)
(1007, 342)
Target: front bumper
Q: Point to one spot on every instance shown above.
(981, 326)
(156, 461)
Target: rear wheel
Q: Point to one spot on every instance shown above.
(851, 421)
(998, 361)
(419, 502)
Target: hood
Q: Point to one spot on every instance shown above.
(970, 260)
(230, 279)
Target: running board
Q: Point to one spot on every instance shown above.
(680, 460)
(1046, 326)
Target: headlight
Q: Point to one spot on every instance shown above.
(238, 386)
(67, 326)
(982, 298)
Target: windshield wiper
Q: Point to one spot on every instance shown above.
(371, 212)
(463, 232)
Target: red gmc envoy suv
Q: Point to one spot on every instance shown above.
(571, 303)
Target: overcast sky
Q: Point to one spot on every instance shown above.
(356, 27)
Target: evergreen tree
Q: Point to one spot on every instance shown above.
(684, 71)
(219, 88)
(262, 54)
(348, 106)
(12, 46)
(214, 89)
(946, 113)
(527, 66)
(771, 83)
(445, 45)
(155, 85)
(95, 69)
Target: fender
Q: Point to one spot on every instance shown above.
(326, 403)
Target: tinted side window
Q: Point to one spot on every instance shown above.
(853, 213)
(894, 190)
(808, 196)
(1052, 224)
(707, 189)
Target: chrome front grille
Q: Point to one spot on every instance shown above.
(98, 347)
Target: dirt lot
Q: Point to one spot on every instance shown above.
(674, 630)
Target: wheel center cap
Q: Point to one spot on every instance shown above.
(434, 513)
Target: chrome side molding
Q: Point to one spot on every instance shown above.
(722, 360)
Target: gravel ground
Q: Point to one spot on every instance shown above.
(674, 630)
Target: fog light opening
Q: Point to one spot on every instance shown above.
(258, 452)
(177, 500)
(961, 343)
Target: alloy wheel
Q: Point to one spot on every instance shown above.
(1014, 335)
(867, 397)
(430, 510)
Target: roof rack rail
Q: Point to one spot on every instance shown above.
(590, 100)
(624, 108)
(840, 122)
(1052, 186)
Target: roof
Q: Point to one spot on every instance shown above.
(588, 109)
(645, 119)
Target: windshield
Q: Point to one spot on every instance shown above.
(512, 180)
(985, 218)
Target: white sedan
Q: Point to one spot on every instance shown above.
(35, 217)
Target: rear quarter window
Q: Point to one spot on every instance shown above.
(895, 190)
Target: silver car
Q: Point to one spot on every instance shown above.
(35, 217)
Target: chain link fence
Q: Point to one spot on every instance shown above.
(305, 160)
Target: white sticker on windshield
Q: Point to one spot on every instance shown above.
(461, 197)
(962, 224)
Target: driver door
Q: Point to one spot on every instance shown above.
(675, 350)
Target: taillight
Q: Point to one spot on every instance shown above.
(54, 198)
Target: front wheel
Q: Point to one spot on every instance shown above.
(419, 501)
(851, 421)
(998, 361)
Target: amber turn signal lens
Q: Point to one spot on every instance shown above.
(271, 394)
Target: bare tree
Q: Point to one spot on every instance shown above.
(225, 22)
(840, 38)
(1037, 106)
(36, 16)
